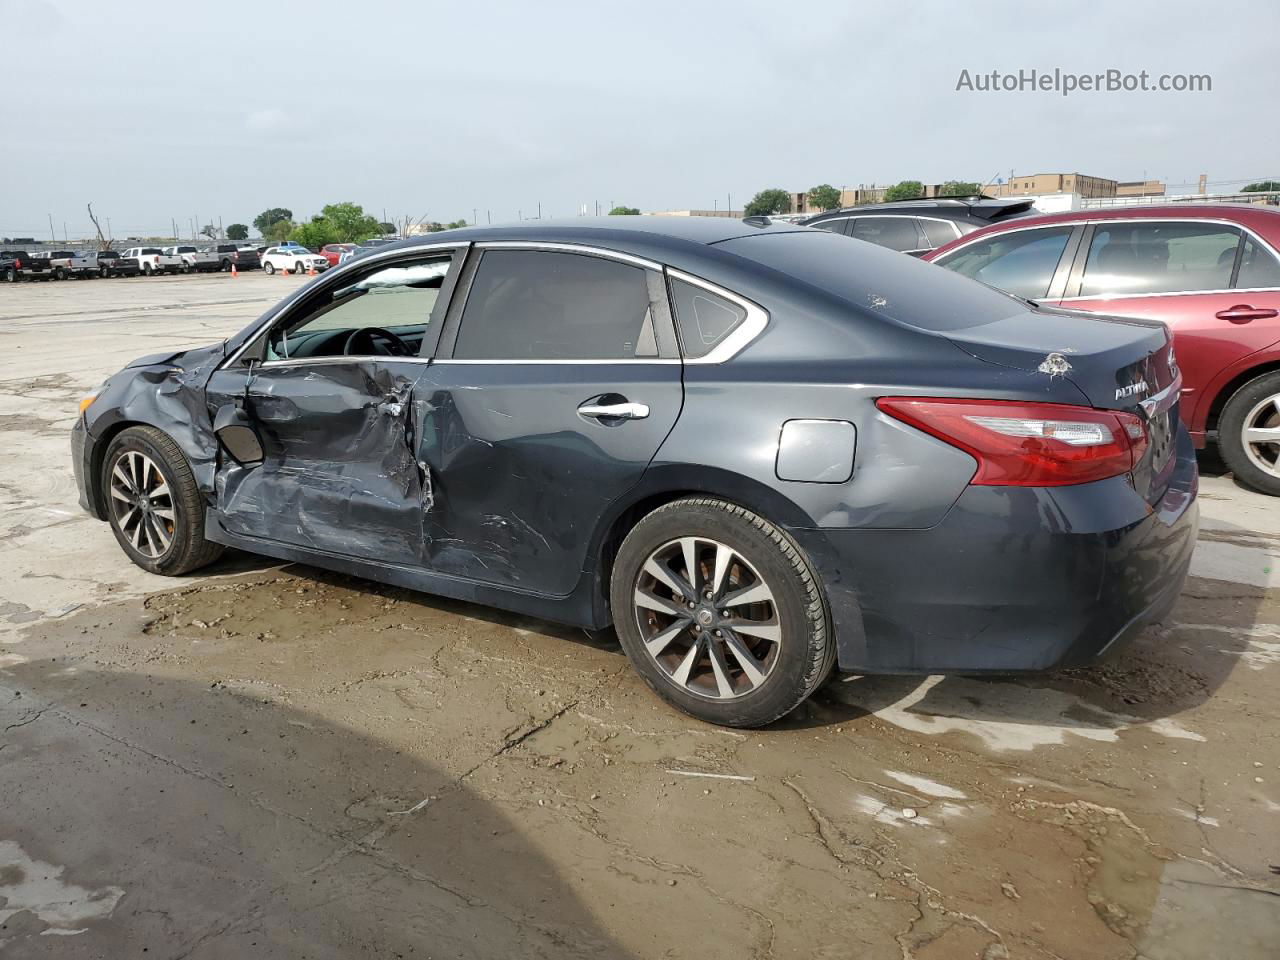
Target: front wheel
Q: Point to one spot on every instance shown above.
(1249, 434)
(153, 504)
(720, 613)
(269, 267)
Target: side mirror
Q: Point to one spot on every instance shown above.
(234, 431)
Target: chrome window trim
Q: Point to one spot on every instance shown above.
(557, 247)
(756, 320)
(313, 361)
(330, 276)
(1129, 296)
(562, 362)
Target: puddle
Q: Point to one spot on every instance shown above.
(32, 886)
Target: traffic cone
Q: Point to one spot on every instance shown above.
(233, 272)
(311, 269)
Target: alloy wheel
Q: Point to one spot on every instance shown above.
(142, 503)
(708, 618)
(1261, 435)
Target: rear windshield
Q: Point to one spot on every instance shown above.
(106, 254)
(151, 250)
(186, 249)
(898, 286)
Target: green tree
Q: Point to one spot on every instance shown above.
(906, 190)
(238, 231)
(267, 218)
(278, 231)
(769, 201)
(349, 222)
(959, 188)
(387, 228)
(625, 212)
(1262, 186)
(824, 197)
(435, 227)
(315, 234)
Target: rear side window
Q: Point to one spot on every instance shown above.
(839, 225)
(896, 233)
(704, 318)
(540, 305)
(1258, 267)
(938, 232)
(1159, 257)
(1022, 262)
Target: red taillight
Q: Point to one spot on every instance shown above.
(156, 260)
(17, 264)
(1028, 444)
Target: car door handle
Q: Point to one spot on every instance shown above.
(1243, 313)
(614, 411)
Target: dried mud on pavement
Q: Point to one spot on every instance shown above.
(278, 762)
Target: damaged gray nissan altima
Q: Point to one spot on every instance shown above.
(759, 451)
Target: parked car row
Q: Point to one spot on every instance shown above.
(18, 265)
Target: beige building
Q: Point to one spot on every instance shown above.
(1036, 184)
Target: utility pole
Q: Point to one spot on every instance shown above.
(222, 233)
(52, 236)
(539, 209)
(474, 221)
(64, 233)
(488, 215)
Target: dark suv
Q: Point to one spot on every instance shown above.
(918, 226)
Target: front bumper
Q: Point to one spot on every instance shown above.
(1012, 579)
(82, 466)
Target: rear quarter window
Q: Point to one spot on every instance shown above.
(878, 280)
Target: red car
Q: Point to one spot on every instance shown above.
(333, 252)
(1210, 272)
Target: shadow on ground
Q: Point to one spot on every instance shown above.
(265, 831)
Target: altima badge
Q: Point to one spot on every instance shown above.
(1132, 390)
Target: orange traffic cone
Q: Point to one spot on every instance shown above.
(233, 272)
(311, 269)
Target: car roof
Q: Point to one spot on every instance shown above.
(638, 234)
(1265, 220)
(972, 209)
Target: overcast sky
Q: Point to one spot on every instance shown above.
(432, 108)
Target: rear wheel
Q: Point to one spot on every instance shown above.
(11, 276)
(153, 504)
(146, 269)
(1249, 434)
(102, 272)
(59, 274)
(719, 612)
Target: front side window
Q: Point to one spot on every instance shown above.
(838, 225)
(542, 305)
(703, 318)
(1022, 262)
(384, 311)
(1258, 267)
(896, 233)
(1159, 257)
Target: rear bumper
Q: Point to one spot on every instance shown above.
(1012, 579)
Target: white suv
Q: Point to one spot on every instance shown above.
(293, 260)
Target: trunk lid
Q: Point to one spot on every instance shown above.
(1118, 363)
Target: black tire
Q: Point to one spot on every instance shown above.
(11, 275)
(146, 269)
(805, 653)
(1231, 427)
(269, 267)
(59, 274)
(225, 266)
(188, 549)
(186, 267)
(102, 272)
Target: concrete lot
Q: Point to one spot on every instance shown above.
(273, 761)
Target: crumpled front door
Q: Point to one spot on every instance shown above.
(338, 473)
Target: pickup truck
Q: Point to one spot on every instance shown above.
(205, 261)
(153, 260)
(69, 263)
(19, 265)
(244, 258)
(111, 264)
